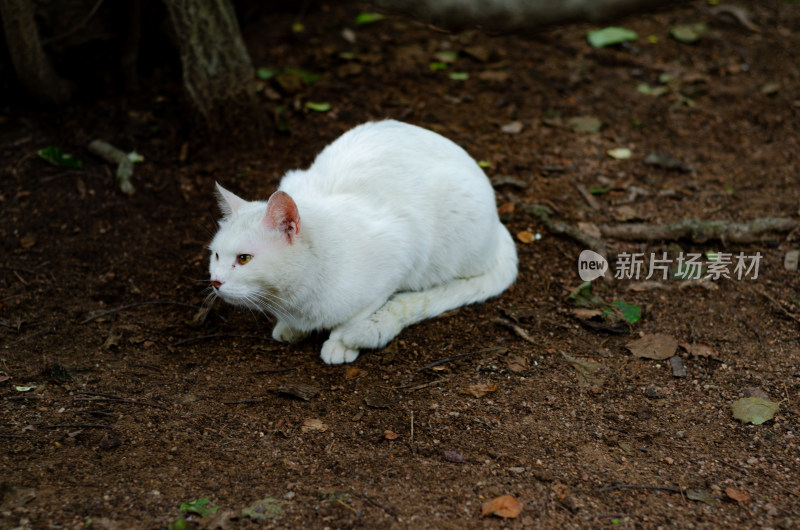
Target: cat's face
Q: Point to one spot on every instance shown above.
(249, 253)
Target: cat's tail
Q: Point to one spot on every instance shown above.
(404, 309)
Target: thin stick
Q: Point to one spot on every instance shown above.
(519, 330)
(340, 501)
(587, 196)
(136, 304)
(379, 505)
(638, 487)
(220, 336)
(779, 305)
(119, 400)
(77, 426)
(275, 371)
(454, 357)
(754, 330)
(243, 402)
(412, 426)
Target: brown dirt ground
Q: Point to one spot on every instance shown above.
(194, 416)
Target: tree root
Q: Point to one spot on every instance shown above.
(111, 154)
(701, 230)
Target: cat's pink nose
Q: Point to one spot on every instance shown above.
(216, 284)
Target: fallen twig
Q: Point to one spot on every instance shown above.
(77, 426)
(559, 227)
(379, 505)
(98, 397)
(111, 154)
(700, 230)
(749, 326)
(242, 402)
(618, 486)
(778, 305)
(221, 336)
(135, 304)
(454, 357)
(519, 330)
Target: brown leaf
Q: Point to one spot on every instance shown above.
(654, 346)
(699, 349)
(590, 373)
(517, 364)
(479, 390)
(304, 392)
(378, 401)
(582, 312)
(27, 241)
(737, 495)
(313, 425)
(454, 456)
(506, 208)
(526, 236)
(112, 341)
(504, 506)
(390, 435)
(352, 372)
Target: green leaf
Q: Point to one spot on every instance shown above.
(368, 18)
(265, 74)
(656, 91)
(447, 56)
(281, 123)
(600, 190)
(438, 65)
(24, 388)
(754, 410)
(178, 524)
(198, 507)
(458, 76)
(619, 153)
(484, 164)
(57, 158)
(318, 107)
(610, 35)
(309, 77)
(688, 33)
(631, 313)
(582, 296)
(135, 157)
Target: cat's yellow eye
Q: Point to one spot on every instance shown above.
(242, 259)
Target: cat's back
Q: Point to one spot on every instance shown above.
(386, 157)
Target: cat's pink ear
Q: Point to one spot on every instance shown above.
(282, 215)
(228, 202)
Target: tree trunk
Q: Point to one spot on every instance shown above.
(217, 71)
(33, 69)
(514, 15)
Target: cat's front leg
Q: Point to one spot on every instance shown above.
(283, 333)
(335, 352)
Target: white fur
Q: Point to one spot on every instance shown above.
(396, 224)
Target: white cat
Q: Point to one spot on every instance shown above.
(392, 224)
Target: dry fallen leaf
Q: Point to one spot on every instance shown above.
(390, 435)
(352, 372)
(526, 236)
(27, 241)
(699, 349)
(655, 346)
(506, 208)
(504, 506)
(313, 425)
(586, 314)
(517, 364)
(479, 390)
(737, 495)
(454, 456)
(299, 390)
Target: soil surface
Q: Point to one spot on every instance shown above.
(118, 404)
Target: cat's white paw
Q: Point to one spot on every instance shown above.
(284, 333)
(373, 333)
(334, 352)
